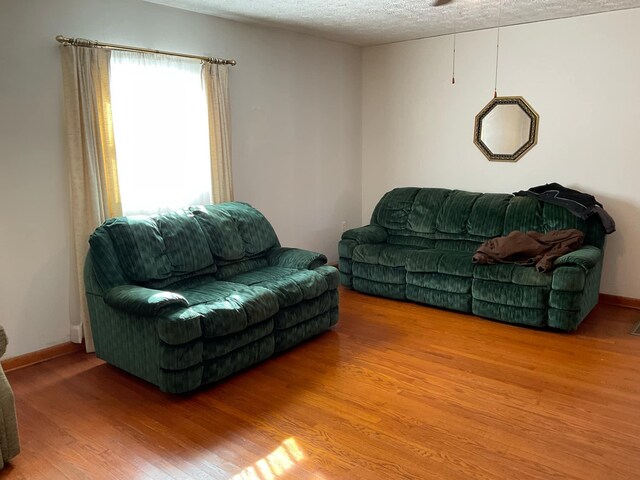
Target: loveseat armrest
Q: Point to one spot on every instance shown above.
(366, 234)
(586, 257)
(295, 258)
(142, 301)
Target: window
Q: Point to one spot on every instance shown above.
(160, 125)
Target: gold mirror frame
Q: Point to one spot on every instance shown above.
(533, 129)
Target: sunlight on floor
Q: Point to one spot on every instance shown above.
(273, 465)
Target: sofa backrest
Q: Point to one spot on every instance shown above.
(434, 217)
(159, 250)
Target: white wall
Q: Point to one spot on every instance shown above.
(582, 75)
(296, 139)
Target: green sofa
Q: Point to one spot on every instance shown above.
(187, 298)
(419, 245)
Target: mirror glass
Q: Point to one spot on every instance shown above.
(506, 129)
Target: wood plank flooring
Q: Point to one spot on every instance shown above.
(396, 391)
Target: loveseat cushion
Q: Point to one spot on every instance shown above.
(303, 311)
(331, 276)
(290, 286)
(227, 270)
(154, 250)
(140, 247)
(104, 260)
(221, 231)
(235, 230)
(184, 241)
(255, 230)
(216, 309)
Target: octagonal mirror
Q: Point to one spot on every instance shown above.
(506, 128)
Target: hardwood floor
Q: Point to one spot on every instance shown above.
(396, 391)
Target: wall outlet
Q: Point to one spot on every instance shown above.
(344, 226)
(76, 333)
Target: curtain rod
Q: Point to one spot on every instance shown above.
(82, 42)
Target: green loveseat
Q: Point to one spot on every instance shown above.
(420, 242)
(187, 298)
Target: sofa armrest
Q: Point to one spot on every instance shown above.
(143, 301)
(586, 257)
(366, 234)
(295, 258)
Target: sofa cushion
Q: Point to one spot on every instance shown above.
(379, 273)
(523, 214)
(555, 217)
(411, 241)
(290, 286)
(512, 273)
(383, 254)
(521, 296)
(394, 208)
(380, 288)
(455, 211)
(441, 282)
(425, 209)
(457, 245)
(487, 215)
(441, 261)
(440, 298)
(535, 317)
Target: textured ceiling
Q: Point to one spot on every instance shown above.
(373, 22)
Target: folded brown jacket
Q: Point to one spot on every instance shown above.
(531, 248)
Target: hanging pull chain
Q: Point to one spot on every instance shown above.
(495, 85)
(453, 66)
(453, 75)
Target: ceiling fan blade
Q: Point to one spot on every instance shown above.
(439, 3)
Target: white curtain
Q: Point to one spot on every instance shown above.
(216, 84)
(93, 172)
(145, 133)
(161, 130)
